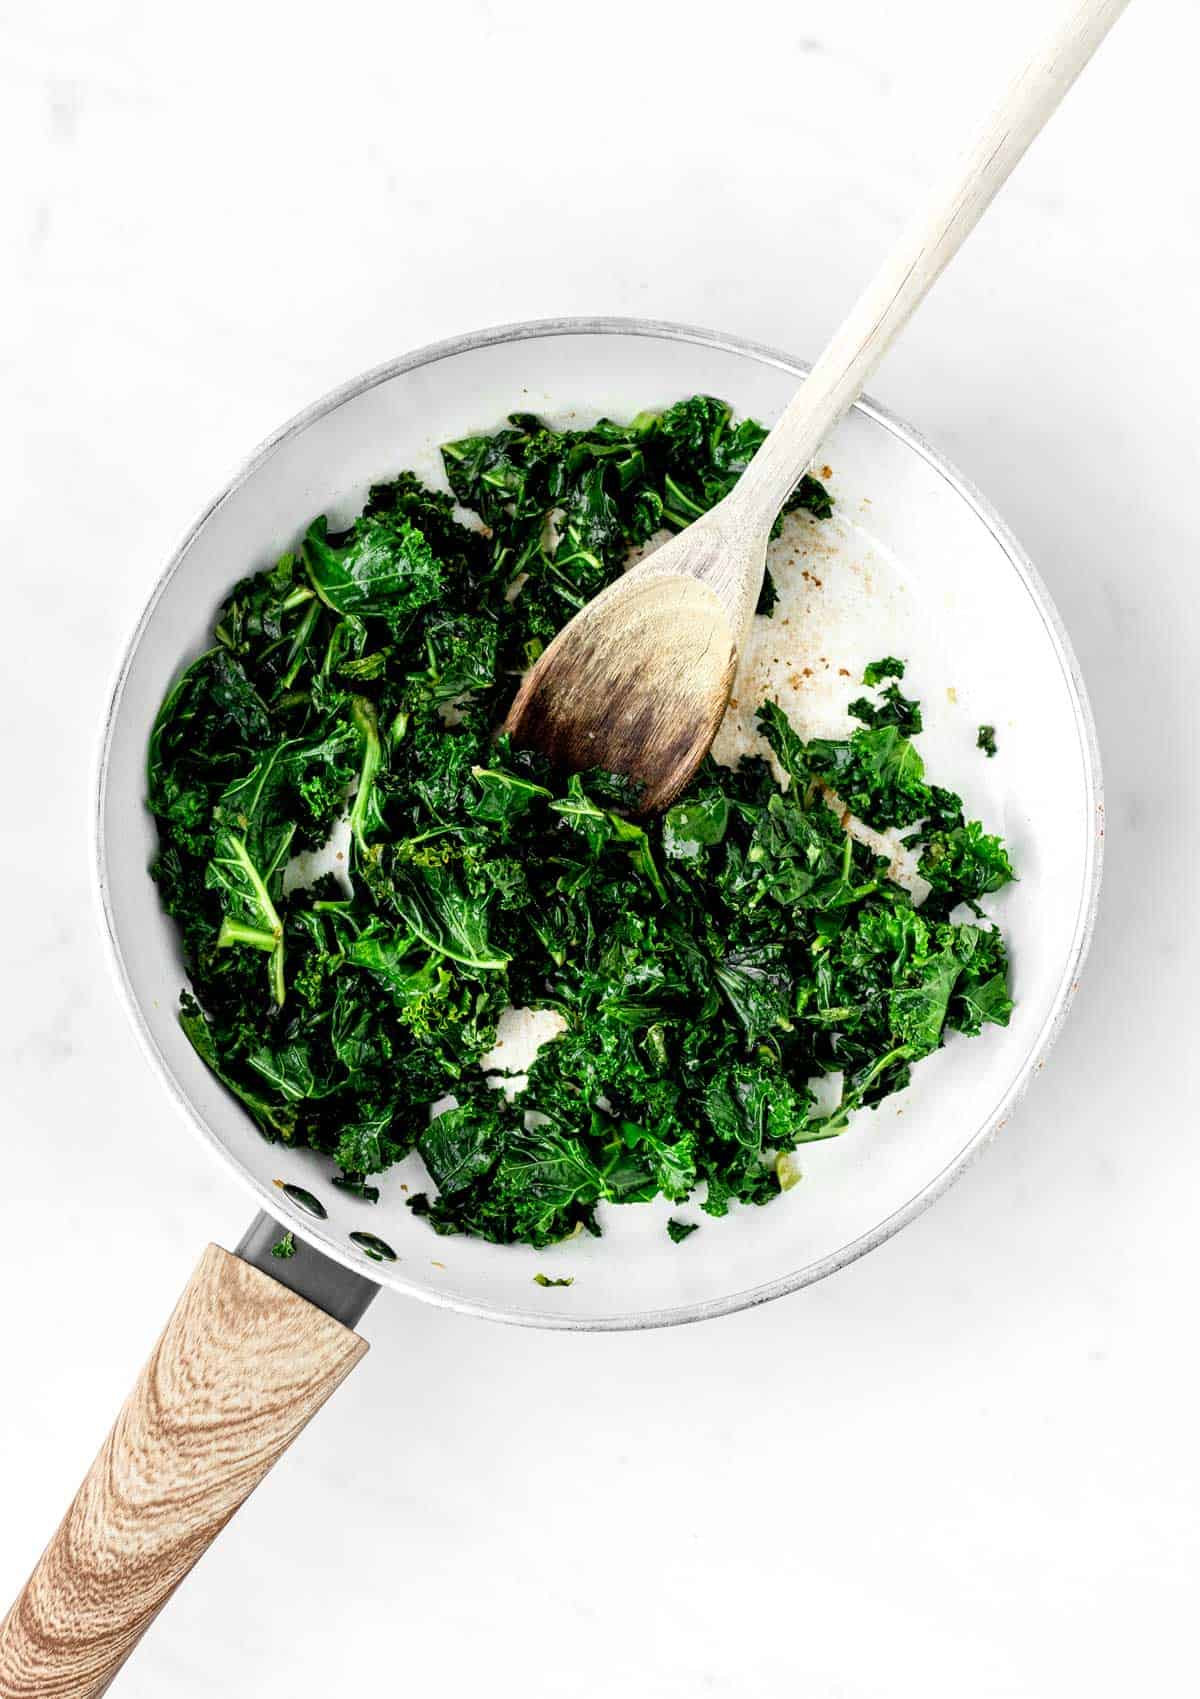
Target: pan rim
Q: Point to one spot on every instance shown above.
(393, 1276)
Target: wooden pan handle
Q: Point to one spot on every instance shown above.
(240, 1368)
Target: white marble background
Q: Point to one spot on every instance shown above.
(967, 1465)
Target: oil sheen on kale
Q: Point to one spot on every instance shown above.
(709, 964)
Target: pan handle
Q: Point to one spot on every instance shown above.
(240, 1368)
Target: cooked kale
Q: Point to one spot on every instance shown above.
(986, 740)
(893, 708)
(708, 964)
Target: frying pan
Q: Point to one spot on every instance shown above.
(913, 563)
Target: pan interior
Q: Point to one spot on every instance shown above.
(912, 564)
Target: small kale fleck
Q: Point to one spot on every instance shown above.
(986, 740)
(678, 1231)
(284, 1247)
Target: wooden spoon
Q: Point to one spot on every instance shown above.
(639, 680)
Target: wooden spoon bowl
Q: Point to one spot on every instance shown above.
(638, 682)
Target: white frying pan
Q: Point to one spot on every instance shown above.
(914, 563)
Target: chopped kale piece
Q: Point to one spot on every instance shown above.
(893, 709)
(767, 596)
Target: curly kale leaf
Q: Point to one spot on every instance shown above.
(964, 864)
(888, 667)
(893, 709)
(383, 568)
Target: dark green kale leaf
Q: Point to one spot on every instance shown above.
(876, 671)
(503, 795)
(986, 740)
(758, 986)
(893, 709)
(962, 865)
(693, 826)
(462, 553)
(382, 568)
(918, 1011)
(460, 1144)
(768, 596)
(439, 912)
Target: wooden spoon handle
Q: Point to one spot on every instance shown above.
(240, 1368)
(919, 258)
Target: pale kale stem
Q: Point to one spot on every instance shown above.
(363, 715)
(255, 879)
(300, 642)
(237, 932)
(268, 937)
